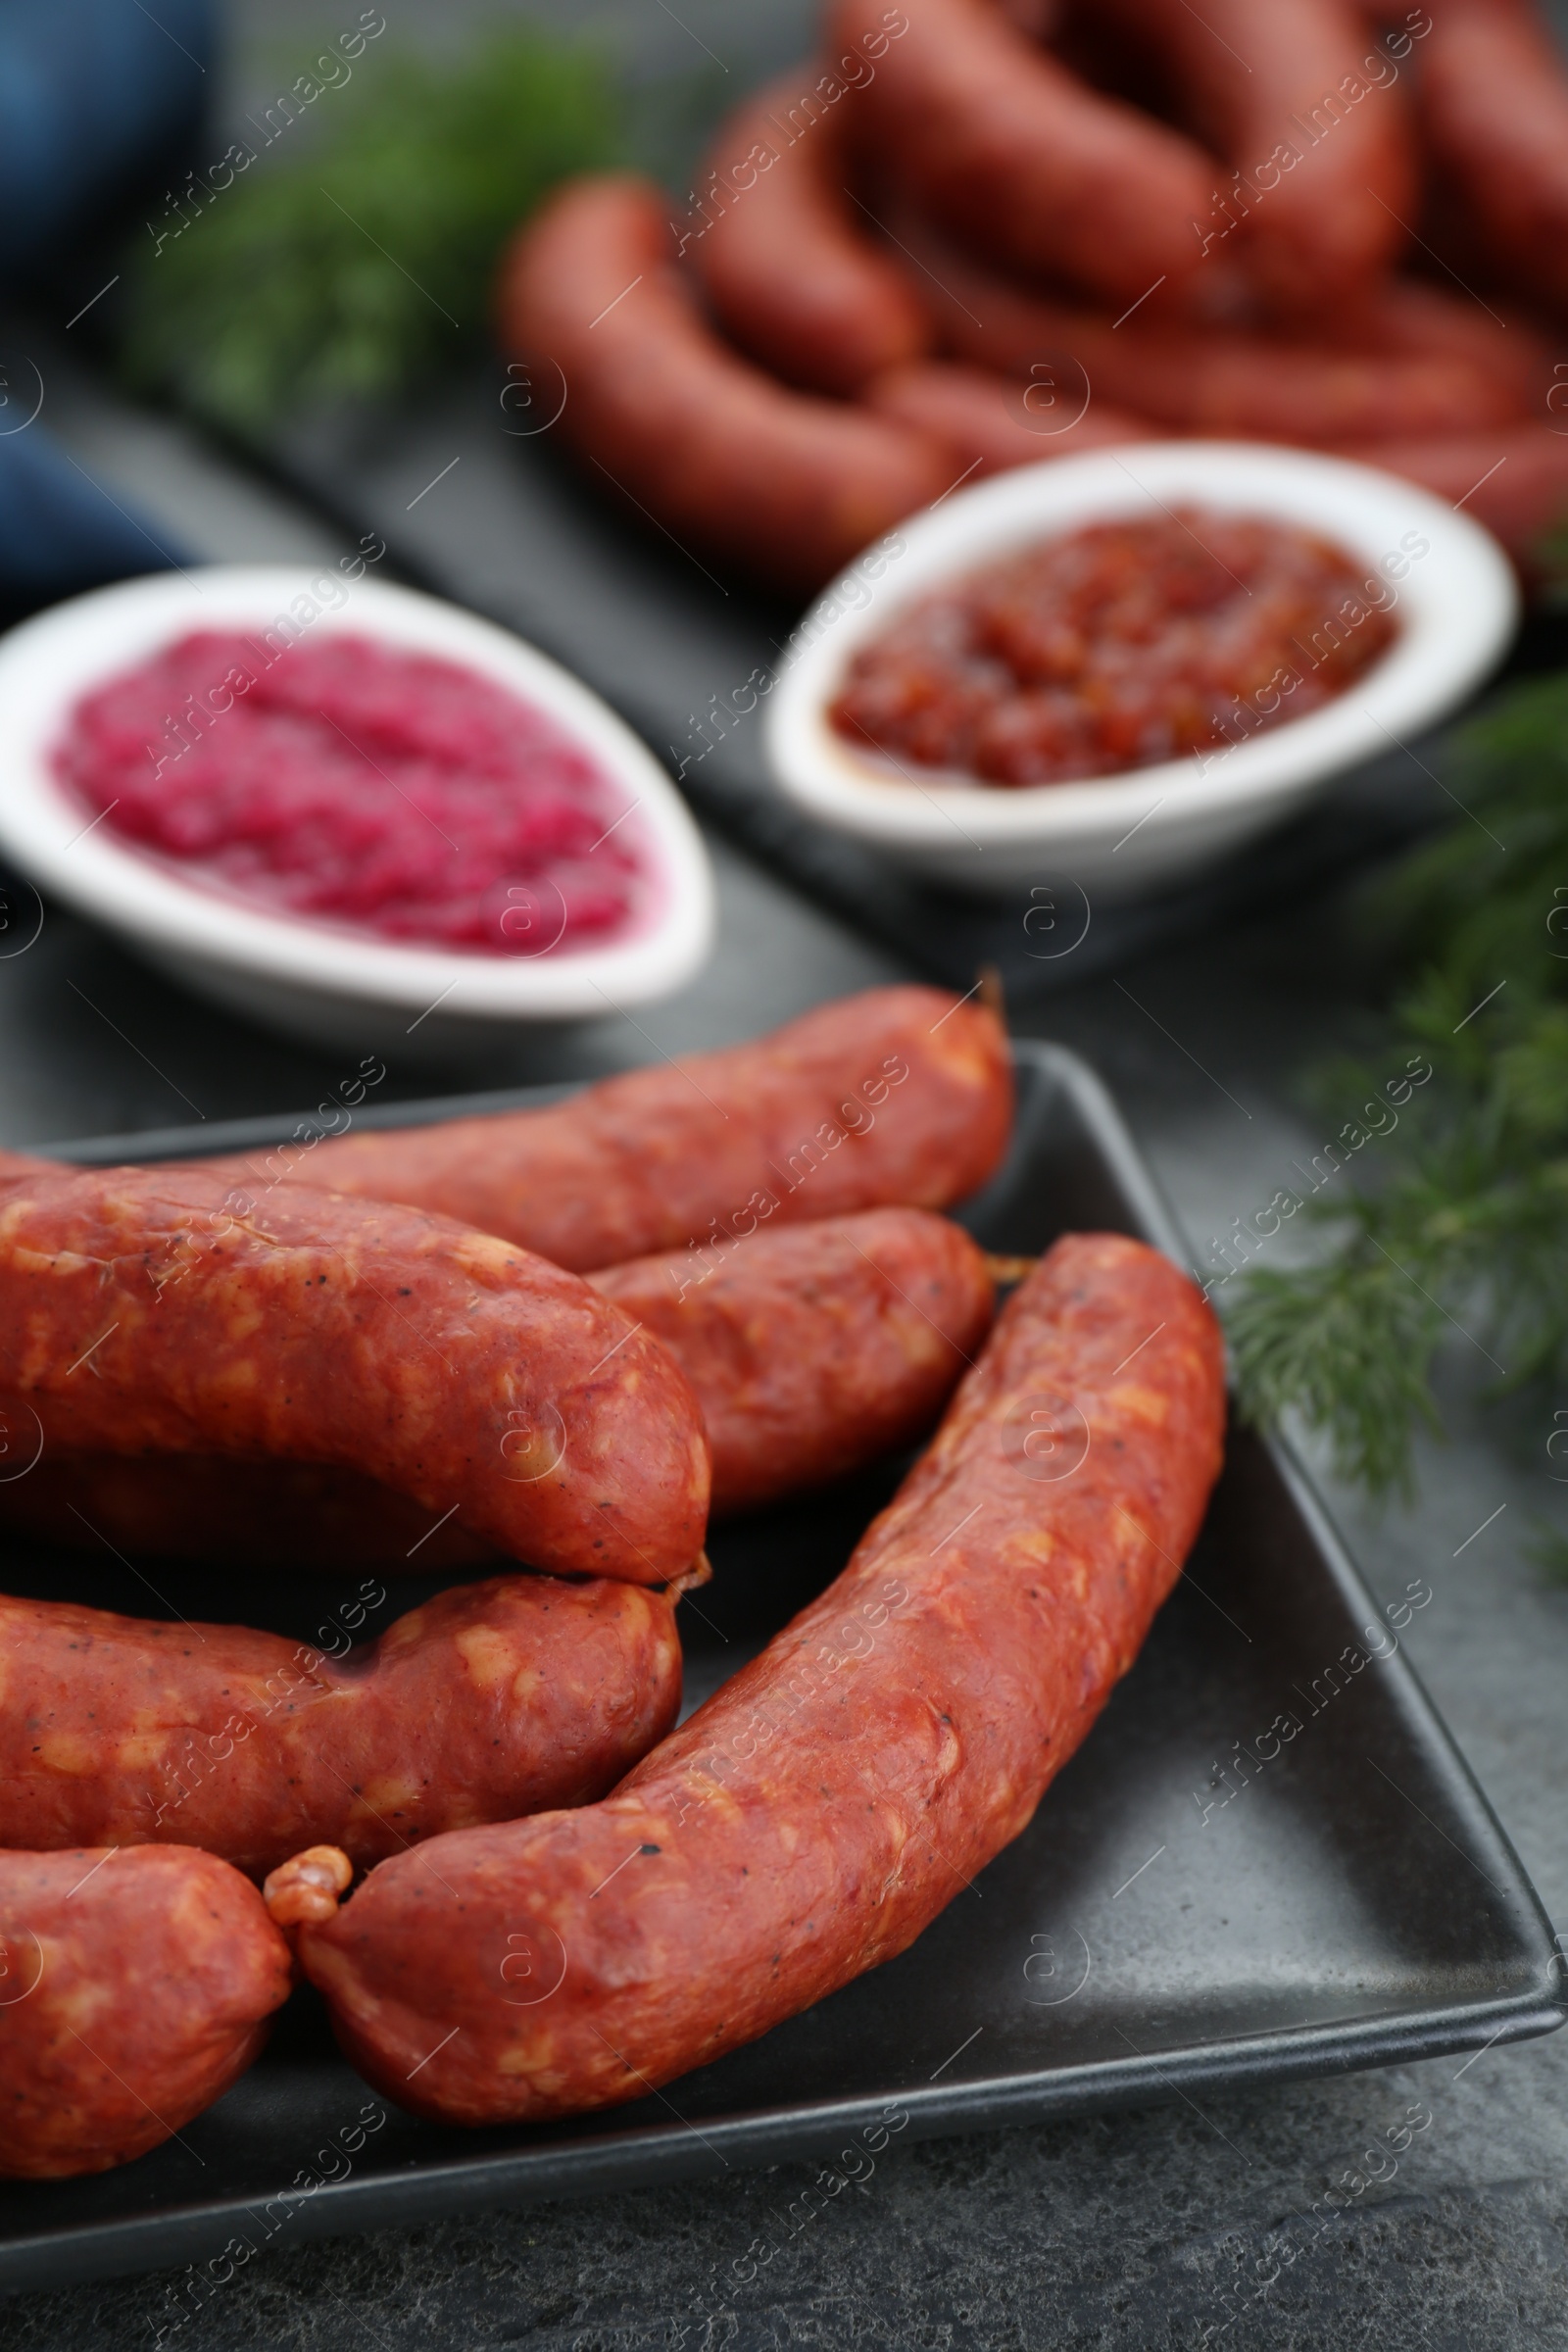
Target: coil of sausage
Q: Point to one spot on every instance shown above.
(830, 1801)
(783, 486)
(154, 1310)
(137, 1988)
(815, 1349)
(811, 1351)
(490, 1701)
(1210, 379)
(900, 1095)
(790, 266)
(1495, 112)
(992, 422)
(1515, 482)
(1311, 119)
(1003, 144)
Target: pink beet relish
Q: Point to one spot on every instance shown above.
(364, 787)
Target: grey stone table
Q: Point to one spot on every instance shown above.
(1114, 2231)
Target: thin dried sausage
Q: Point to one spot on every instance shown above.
(137, 1987)
(775, 483)
(993, 423)
(831, 1800)
(154, 1310)
(900, 1095)
(490, 1701)
(1310, 116)
(1495, 112)
(792, 269)
(1515, 482)
(1212, 379)
(1002, 144)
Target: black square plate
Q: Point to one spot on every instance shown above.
(1267, 1861)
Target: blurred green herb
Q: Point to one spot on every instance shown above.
(363, 259)
(1468, 1230)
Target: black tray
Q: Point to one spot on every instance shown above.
(1353, 1903)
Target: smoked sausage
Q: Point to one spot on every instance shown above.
(1406, 314)
(791, 268)
(1493, 104)
(992, 422)
(900, 1095)
(811, 1350)
(1212, 380)
(158, 1310)
(816, 1349)
(1310, 118)
(1515, 483)
(490, 1701)
(137, 1987)
(1003, 144)
(784, 487)
(834, 1796)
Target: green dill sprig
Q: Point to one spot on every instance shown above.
(360, 259)
(1466, 1230)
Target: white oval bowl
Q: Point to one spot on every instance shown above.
(328, 986)
(1130, 836)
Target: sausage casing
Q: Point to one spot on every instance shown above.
(1315, 128)
(829, 1800)
(490, 1701)
(811, 1350)
(1212, 379)
(137, 1987)
(788, 263)
(1494, 112)
(779, 484)
(993, 423)
(900, 1094)
(816, 1349)
(1002, 144)
(153, 1310)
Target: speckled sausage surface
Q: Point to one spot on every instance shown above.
(816, 1349)
(490, 1701)
(811, 1350)
(899, 1095)
(830, 1801)
(137, 1988)
(158, 1310)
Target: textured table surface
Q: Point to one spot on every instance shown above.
(1122, 2231)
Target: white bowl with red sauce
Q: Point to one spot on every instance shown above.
(1136, 832)
(305, 872)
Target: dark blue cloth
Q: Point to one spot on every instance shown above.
(94, 94)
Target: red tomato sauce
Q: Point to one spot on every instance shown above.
(362, 786)
(1115, 646)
